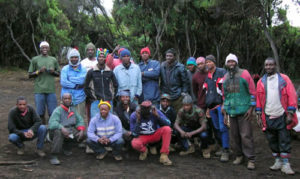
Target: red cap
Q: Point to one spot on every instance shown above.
(146, 104)
(120, 50)
(146, 49)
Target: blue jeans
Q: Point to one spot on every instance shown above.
(218, 122)
(99, 148)
(18, 140)
(43, 99)
(184, 141)
(95, 109)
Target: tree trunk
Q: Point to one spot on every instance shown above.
(187, 37)
(273, 47)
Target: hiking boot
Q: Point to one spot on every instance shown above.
(153, 150)
(67, 152)
(224, 156)
(143, 155)
(238, 160)
(118, 157)
(213, 147)
(190, 150)
(54, 160)
(21, 151)
(164, 159)
(109, 149)
(277, 165)
(101, 156)
(219, 152)
(286, 169)
(40, 153)
(81, 145)
(251, 165)
(206, 153)
(88, 150)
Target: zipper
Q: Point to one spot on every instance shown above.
(103, 85)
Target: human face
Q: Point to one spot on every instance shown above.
(145, 56)
(210, 64)
(231, 64)
(90, 52)
(67, 100)
(44, 50)
(101, 59)
(191, 67)
(125, 99)
(201, 66)
(22, 105)
(187, 107)
(74, 60)
(126, 60)
(164, 103)
(270, 67)
(104, 110)
(170, 58)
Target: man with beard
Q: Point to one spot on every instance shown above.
(239, 102)
(129, 77)
(149, 125)
(65, 125)
(44, 69)
(276, 103)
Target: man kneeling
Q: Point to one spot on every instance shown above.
(24, 124)
(65, 125)
(105, 130)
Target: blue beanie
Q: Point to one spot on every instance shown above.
(125, 52)
(191, 61)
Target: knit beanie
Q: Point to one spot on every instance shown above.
(211, 58)
(200, 60)
(146, 49)
(90, 45)
(125, 52)
(191, 61)
(44, 43)
(74, 53)
(231, 57)
(187, 99)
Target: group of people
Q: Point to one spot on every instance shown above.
(110, 103)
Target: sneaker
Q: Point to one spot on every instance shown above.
(153, 150)
(225, 156)
(286, 169)
(143, 155)
(277, 165)
(206, 153)
(40, 153)
(219, 152)
(238, 160)
(118, 158)
(190, 150)
(101, 156)
(81, 145)
(109, 149)
(21, 151)
(251, 165)
(88, 150)
(54, 160)
(164, 159)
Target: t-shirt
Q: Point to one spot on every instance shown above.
(44, 82)
(89, 64)
(192, 120)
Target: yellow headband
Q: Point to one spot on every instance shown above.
(104, 102)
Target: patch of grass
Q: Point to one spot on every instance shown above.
(5, 70)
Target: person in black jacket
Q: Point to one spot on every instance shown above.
(100, 83)
(24, 124)
(174, 80)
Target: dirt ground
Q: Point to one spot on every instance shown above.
(81, 165)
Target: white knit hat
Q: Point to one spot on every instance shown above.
(231, 57)
(44, 43)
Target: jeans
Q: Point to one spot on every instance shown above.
(95, 109)
(184, 141)
(218, 122)
(18, 140)
(100, 148)
(43, 99)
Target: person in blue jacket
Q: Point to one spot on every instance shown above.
(72, 81)
(150, 70)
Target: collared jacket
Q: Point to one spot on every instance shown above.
(288, 98)
(100, 84)
(150, 80)
(120, 112)
(129, 79)
(174, 81)
(72, 82)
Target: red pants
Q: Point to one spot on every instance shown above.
(163, 133)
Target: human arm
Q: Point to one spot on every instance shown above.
(54, 121)
(91, 132)
(153, 72)
(64, 79)
(87, 86)
(11, 124)
(184, 80)
(36, 119)
(118, 130)
(55, 71)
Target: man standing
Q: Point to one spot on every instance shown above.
(65, 124)
(239, 102)
(276, 103)
(72, 81)
(191, 70)
(105, 130)
(150, 70)
(90, 61)
(174, 79)
(44, 69)
(129, 77)
(100, 83)
(144, 125)
(24, 124)
(214, 100)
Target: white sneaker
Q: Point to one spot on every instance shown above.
(277, 165)
(286, 168)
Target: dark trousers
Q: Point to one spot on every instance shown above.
(241, 137)
(278, 136)
(99, 148)
(184, 141)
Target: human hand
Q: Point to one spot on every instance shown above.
(289, 119)
(65, 132)
(79, 135)
(42, 70)
(259, 121)
(154, 111)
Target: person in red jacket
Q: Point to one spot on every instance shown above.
(276, 103)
